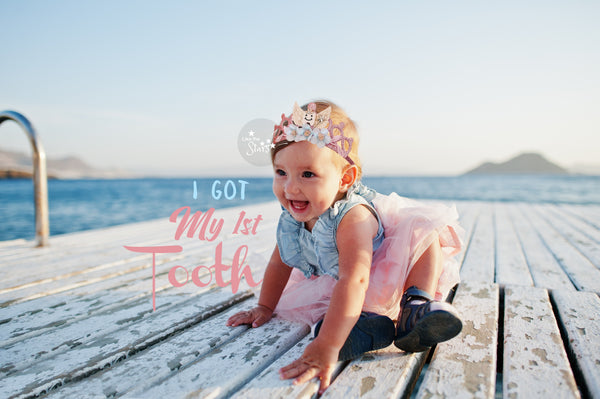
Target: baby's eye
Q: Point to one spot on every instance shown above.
(307, 174)
(280, 172)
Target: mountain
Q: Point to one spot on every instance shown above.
(19, 165)
(526, 163)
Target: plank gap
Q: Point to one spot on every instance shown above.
(420, 375)
(500, 346)
(518, 234)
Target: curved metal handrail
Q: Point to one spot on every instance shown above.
(40, 177)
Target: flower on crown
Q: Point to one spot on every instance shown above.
(316, 128)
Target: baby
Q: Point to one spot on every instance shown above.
(368, 269)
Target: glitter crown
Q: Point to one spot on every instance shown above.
(317, 128)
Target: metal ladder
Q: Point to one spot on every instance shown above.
(40, 177)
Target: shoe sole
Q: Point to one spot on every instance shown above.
(435, 327)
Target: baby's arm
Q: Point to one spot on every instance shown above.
(275, 279)
(355, 245)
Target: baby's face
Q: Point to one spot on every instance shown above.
(307, 181)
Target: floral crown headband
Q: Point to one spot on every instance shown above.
(314, 127)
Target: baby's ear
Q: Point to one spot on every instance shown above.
(348, 177)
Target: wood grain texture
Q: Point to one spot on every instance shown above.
(579, 314)
(268, 384)
(386, 373)
(220, 373)
(465, 367)
(479, 263)
(511, 266)
(535, 361)
(584, 275)
(543, 266)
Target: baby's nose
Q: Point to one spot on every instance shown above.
(291, 186)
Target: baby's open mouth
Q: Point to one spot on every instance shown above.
(299, 205)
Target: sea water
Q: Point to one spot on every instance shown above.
(76, 205)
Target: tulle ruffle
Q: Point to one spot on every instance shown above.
(410, 228)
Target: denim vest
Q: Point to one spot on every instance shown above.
(315, 252)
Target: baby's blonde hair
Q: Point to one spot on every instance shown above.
(337, 115)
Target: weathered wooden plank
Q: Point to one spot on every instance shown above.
(579, 313)
(66, 282)
(219, 373)
(511, 266)
(589, 214)
(268, 384)
(15, 350)
(581, 240)
(578, 223)
(158, 362)
(103, 248)
(386, 373)
(12, 245)
(21, 354)
(82, 242)
(41, 315)
(94, 352)
(545, 270)
(468, 214)
(465, 367)
(580, 270)
(106, 251)
(81, 301)
(479, 262)
(535, 361)
(104, 311)
(36, 316)
(195, 251)
(47, 279)
(190, 257)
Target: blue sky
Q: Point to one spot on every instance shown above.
(435, 86)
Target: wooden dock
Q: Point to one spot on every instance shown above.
(77, 319)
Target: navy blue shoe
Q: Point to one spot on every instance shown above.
(423, 322)
(371, 332)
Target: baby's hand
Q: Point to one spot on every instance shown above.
(256, 317)
(317, 361)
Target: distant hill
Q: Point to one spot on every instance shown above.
(18, 165)
(527, 163)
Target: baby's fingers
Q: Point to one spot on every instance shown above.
(259, 321)
(325, 382)
(293, 369)
(309, 374)
(239, 318)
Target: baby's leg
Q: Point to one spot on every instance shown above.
(371, 332)
(426, 272)
(423, 322)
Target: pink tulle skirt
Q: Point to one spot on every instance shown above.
(410, 227)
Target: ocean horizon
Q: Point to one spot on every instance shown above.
(77, 205)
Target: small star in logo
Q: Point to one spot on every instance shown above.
(251, 133)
